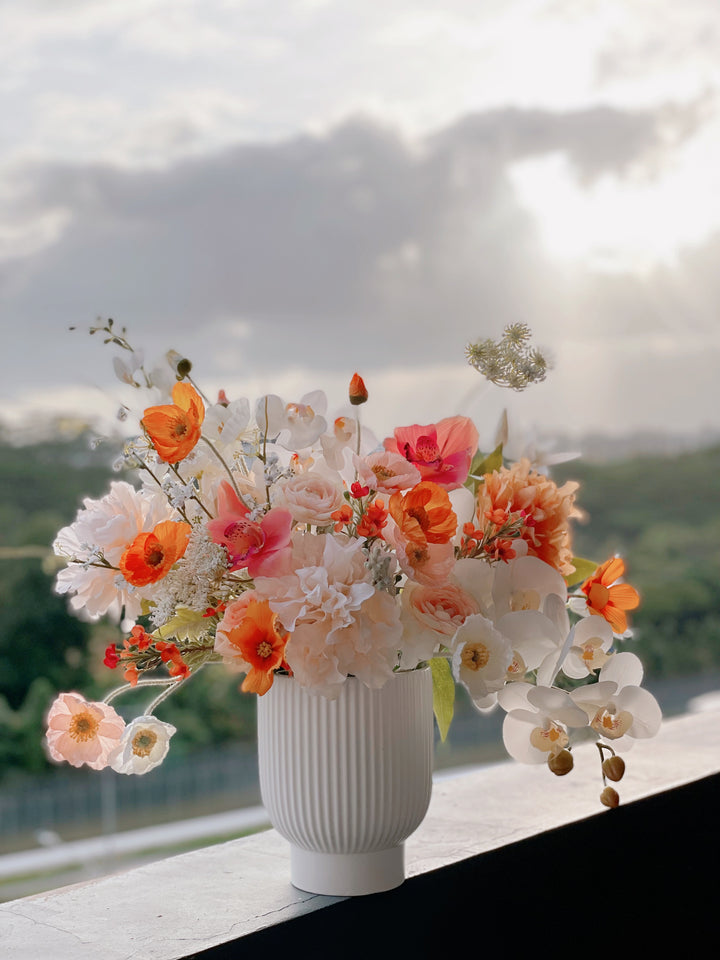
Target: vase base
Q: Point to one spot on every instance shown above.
(347, 874)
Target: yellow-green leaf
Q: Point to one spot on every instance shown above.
(185, 625)
(583, 570)
(443, 694)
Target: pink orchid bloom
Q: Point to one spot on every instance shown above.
(262, 546)
(442, 451)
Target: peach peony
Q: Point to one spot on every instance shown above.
(546, 507)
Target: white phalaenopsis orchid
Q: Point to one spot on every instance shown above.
(617, 706)
(295, 426)
(590, 642)
(535, 727)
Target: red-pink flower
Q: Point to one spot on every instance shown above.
(442, 452)
(263, 546)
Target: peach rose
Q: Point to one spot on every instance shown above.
(312, 497)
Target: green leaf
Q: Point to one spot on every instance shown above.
(185, 625)
(443, 694)
(583, 569)
(483, 464)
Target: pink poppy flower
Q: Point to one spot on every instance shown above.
(442, 451)
(262, 546)
(82, 732)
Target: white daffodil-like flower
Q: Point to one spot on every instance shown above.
(590, 642)
(525, 584)
(481, 656)
(144, 746)
(476, 578)
(617, 706)
(295, 426)
(537, 721)
(525, 599)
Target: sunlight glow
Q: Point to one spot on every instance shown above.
(621, 224)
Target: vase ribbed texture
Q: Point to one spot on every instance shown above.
(350, 775)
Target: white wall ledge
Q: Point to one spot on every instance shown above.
(186, 905)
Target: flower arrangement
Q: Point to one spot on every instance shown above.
(270, 540)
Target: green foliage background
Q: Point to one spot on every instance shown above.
(660, 513)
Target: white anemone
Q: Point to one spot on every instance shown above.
(144, 746)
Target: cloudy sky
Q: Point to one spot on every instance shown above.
(291, 190)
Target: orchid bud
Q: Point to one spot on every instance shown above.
(561, 763)
(358, 391)
(614, 768)
(610, 797)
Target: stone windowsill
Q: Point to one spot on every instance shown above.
(481, 825)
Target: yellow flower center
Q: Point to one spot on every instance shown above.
(475, 656)
(383, 473)
(264, 649)
(593, 655)
(143, 742)
(525, 600)
(83, 727)
(517, 668)
(551, 739)
(610, 724)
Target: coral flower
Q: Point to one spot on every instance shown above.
(545, 508)
(174, 428)
(424, 514)
(82, 732)
(151, 555)
(609, 599)
(261, 643)
(262, 546)
(442, 452)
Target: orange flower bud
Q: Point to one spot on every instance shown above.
(358, 391)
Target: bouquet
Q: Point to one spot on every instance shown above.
(268, 539)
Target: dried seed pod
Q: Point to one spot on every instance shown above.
(561, 763)
(614, 768)
(610, 797)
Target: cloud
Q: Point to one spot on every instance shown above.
(351, 248)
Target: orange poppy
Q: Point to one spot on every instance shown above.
(424, 514)
(151, 555)
(174, 428)
(609, 599)
(259, 639)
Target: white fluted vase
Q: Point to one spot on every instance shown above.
(346, 781)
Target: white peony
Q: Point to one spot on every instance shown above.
(101, 533)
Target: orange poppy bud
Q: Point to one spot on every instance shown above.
(358, 391)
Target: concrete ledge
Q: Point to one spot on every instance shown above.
(502, 848)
